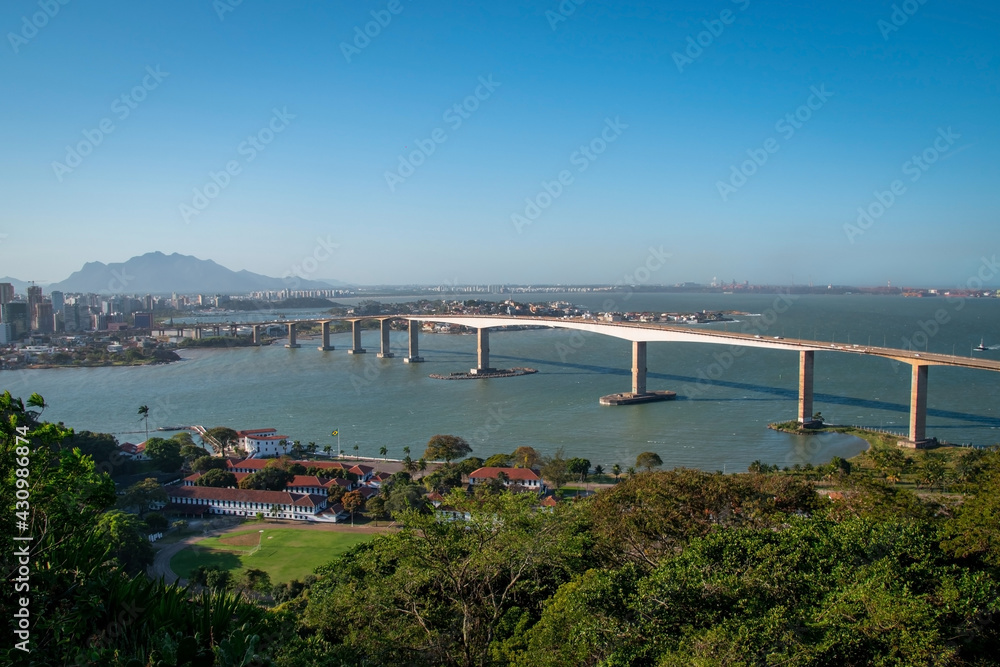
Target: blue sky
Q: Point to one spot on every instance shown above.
(673, 96)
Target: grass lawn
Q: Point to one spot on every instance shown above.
(285, 553)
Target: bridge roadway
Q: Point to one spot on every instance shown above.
(641, 333)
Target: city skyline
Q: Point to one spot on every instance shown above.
(553, 144)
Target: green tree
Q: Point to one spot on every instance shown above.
(253, 579)
(498, 461)
(579, 467)
(206, 463)
(526, 457)
(555, 469)
(165, 454)
(141, 495)
(598, 470)
(375, 509)
(382, 451)
(271, 478)
(217, 478)
(126, 534)
(221, 439)
(616, 470)
(648, 460)
(446, 447)
(144, 416)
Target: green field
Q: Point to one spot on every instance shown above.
(285, 554)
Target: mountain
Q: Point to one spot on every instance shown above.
(20, 286)
(156, 273)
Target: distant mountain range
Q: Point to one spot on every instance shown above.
(157, 273)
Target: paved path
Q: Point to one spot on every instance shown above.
(161, 561)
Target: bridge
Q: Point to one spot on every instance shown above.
(640, 334)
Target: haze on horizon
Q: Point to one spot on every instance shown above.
(417, 151)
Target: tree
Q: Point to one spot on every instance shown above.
(498, 461)
(271, 478)
(144, 415)
(327, 449)
(616, 470)
(165, 454)
(375, 508)
(156, 522)
(206, 463)
(408, 464)
(253, 579)
(526, 457)
(422, 464)
(648, 460)
(578, 466)
(141, 495)
(36, 401)
(126, 533)
(818, 417)
(217, 478)
(352, 501)
(222, 438)
(598, 470)
(555, 470)
(382, 451)
(447, 447)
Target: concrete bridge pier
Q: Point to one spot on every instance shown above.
(806, 358)
(216, 331)
(484, 352)
(291, 336)
(639, 393)
(325, 347)
(918, 409)
(414, 333)
(197, 333)
(256, 334)
(384, 352)
(638, 367)
(232, 330)
(356, 338)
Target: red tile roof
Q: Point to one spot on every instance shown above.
(513, 474)
(549, 501)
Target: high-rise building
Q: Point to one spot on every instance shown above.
(143, 321)
(6, 293)
(15, 313)
(34, 297)
(58, 301)
(41, 318)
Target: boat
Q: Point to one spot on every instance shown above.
(981, 347)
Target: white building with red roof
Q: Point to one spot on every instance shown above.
(134, 452)
(513, 478)
(200, 500)
(259, 442)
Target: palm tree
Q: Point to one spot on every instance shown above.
(383, 451)
(283, 443)
(36, 401)
(598, 471)
(616, 470)
(327, 449)
(631, 471)
(355, 454)
(312, 448)
(406, 451)
(144, 414)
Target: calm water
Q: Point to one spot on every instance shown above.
(718, 422)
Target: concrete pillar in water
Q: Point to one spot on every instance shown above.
(414, 333)
(325, 346)
(384, 352)
(806, 385)
(483, 351)
(356, 338)
(638, 367)
(291, 336)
